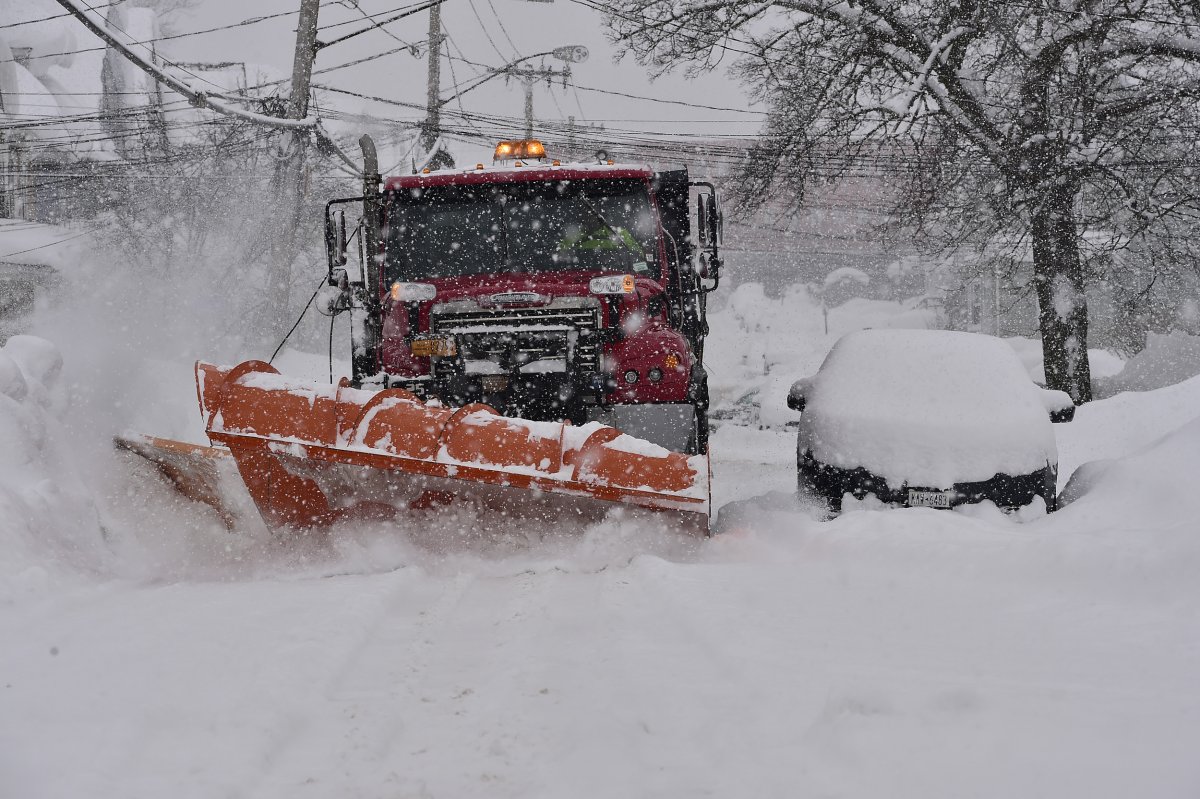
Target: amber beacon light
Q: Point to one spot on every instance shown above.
(519, 148)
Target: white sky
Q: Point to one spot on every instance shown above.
(533, 27)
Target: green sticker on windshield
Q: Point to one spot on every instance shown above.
(640, 266)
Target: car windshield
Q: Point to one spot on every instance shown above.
(605, 226)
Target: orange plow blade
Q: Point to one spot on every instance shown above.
(312, 454)
(202, 474)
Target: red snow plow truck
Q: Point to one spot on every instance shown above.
(524, 333)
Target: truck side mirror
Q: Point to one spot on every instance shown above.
(1059, 404)
(796, 398)
(712, 217)
(335, 242)
(708, 231)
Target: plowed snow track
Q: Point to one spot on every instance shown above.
(904, 654)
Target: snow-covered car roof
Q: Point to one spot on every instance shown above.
(926, 407)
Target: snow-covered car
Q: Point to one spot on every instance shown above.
(928, 418)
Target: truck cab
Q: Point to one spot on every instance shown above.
(550, 291)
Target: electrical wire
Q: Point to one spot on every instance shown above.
(354, 4)
(488, 33)
(153, 53)
(297, 324)
(50, 244)
(33, 21)
(243, 23)
(504, 30)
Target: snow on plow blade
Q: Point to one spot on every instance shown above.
(203, 474)
(311, 454)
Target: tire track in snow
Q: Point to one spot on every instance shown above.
(360, 709)
(475, 699)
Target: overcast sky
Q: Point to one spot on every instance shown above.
(476, 35)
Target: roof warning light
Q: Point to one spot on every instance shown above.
(527, 149)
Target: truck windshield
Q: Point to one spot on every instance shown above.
(605, 226)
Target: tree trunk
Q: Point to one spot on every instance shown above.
(1062, 304)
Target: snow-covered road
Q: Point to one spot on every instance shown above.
(886, 653)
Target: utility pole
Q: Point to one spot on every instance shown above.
(433, 101)
(528, 76)
(306, 51)
(291, 178)
(528, 108)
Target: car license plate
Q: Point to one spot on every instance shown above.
(434, 346)
(928, 499)
(494, 383)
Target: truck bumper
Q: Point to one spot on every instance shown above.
(669, 425)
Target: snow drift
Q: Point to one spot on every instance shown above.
(1168, 359)
(47, 517)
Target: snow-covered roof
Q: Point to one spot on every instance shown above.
(847, 273)
(59, 76)
(99, 101)
(24, 242)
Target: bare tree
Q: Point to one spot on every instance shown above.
(1039, 126)
(199, 212)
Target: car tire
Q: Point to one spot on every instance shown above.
(807, 489)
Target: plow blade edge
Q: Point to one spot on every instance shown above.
(311, 454)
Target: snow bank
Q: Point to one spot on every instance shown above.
(1155, 485)
(1167, 359)
(1103, 363)
(1124, 424)
(47, 517)
(929, 408)
(759, 345)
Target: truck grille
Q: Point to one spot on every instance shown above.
(557, 331)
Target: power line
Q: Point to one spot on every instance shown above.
(55, 243)
(196, 97)
(153, 52)
(243, 23)
(504, 30)
(32, 21)
(371, 17)
(406, 13)
(663, 101)
(354, 4)
(486, 32)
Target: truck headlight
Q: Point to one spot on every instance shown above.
(413, 292)
(612, 284)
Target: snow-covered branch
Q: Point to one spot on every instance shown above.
(196, 97)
